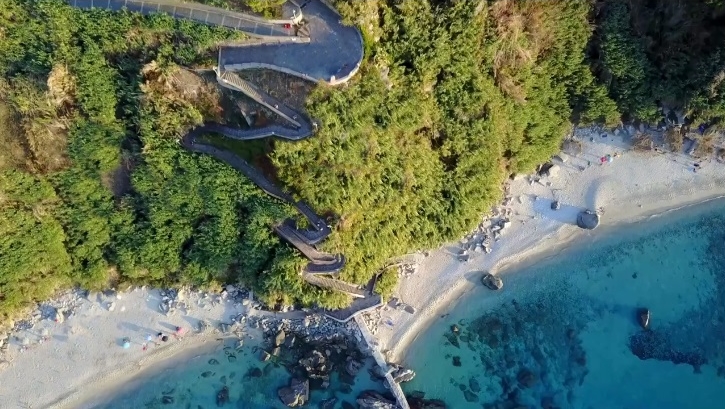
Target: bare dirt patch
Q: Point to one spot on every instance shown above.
(12, 155)
(118, 181)
(291, 90)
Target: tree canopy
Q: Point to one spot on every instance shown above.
(452, 98)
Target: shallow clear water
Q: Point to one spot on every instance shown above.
(564, 331)
(194, 382)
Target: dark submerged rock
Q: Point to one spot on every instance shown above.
(547, 402)
(296, 394)
(656, 345)
(453, 339)
(456, 361)
(470, 396)
(420, 403)
(253, 373)
(352, 367)
(328, 403)
(222, 397)
(474, 385)
(526, 378)
(417, 395)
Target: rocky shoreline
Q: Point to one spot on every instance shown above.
(311, 347)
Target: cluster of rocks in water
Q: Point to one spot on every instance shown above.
(526, 353)
(312, 357)
(696, 338)
(311, 348)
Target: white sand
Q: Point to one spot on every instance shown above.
(84, 355)
(634, 186)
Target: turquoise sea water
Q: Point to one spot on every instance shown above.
(563, 333)
(194, 382)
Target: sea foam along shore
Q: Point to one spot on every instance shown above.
(633, 186)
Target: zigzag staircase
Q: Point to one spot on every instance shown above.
(323, 268)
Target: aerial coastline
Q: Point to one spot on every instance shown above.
(633, 187)
(154, 216)
(639, 185)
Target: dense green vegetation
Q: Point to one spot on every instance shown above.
(266, 8)
(453, 97)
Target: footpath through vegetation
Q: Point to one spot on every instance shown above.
(451, 99)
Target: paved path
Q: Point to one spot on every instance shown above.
(333, 50)
(252, 25)
(329, 52)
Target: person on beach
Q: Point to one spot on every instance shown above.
(179, 332)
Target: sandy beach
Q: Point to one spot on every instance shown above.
(63, 363)
(84, 355)
(635, 185)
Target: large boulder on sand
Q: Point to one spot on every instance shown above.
(492, 282)
(548, 170)
(587, 220)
